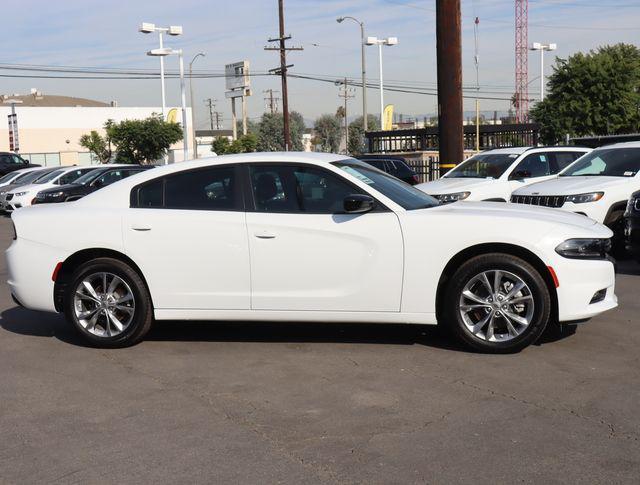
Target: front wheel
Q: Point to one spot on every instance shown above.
(108, 303)
(497, 303)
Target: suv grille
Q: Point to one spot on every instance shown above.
(541, 200)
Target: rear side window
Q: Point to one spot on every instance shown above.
(70, 177)
(379, 164)
(212, 188)
(534, 165)
(564, 159)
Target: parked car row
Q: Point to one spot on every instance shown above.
(38, 185)
(597, 184)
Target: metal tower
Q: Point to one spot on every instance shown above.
(521, 97)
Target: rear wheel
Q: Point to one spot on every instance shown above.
(497, 303)
(108, 303)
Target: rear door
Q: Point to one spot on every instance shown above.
(308, 255)
(187, 233)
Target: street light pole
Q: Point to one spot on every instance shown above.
(162, 88)
(389, 41)
(193, 110)
(365, 124)
(166, 51)
(537, 46)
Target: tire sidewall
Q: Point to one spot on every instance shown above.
(141, 298)
(511, 264)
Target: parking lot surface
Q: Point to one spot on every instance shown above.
(300, 403)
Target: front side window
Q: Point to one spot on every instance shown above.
(108, 178)
(484, 165)
(398, 191)
(534, 165)
(48, 177)
(70, 177)
(298, 188)
(213, 188)
(564, 159)
(608, 162)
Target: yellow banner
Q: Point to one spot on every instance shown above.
(387, 118)
(172, 115)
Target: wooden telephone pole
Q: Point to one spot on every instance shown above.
(282, 71)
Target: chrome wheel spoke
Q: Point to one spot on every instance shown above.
(467, 308)
(514, 291)
(84, 296)
(473, 297)
(123, 308)
(91, 324)
(115, 282)
(489, 334)
(124, 299)
(114, 320)
(485, 280)
(481, 324)
(87, 314)
(89, 287)
(520, 299)
(497, 281)
(516, 318)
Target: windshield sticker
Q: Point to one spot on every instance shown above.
(513, 155)
(543, 158)
(629, 174)
(358, 175)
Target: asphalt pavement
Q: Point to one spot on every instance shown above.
(301, 403)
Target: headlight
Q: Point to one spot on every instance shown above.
(50, 195)
(584, 248)
(447, 198)
(582, 198)
(20, 194)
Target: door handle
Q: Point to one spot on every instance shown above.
(141, 228)
(265, 235)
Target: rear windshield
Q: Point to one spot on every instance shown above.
(29, 177)
(607, 162)
(484, 165)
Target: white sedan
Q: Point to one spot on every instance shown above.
(23, 196)
(304, 237)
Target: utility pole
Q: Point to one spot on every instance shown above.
(476, 59)
(282, 71)
(271, 101)
(211, 102)
(449, 60)
(345, 93)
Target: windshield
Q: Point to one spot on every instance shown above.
(49, 177)
(611, 162)
(398, 191)
(29, 177)
(9, 177)
(484, 165)
(89, 177)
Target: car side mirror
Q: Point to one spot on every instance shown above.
(521, 174)
(358, 203)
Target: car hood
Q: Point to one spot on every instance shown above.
(447, 185)
(68, 188)
(26, 188)
(499, 211)
(574, 185)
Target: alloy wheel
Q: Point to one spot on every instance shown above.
(104, 304)
(496, 306)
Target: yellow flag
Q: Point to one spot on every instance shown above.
(172, 115)
(387, 118)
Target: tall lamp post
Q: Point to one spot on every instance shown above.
(14, 141)
(167, 51)
(193, 111)
(389, 41)
(537, 46)
(364, 69)
(174, 30)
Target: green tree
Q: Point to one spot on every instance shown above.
(220, 145)
(356, 133)
(143, 141)
(597, 93)
(328, 133)
(97, 144)
(271, 132)
(244, 144)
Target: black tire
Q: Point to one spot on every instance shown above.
(143, 312)
(507, 263)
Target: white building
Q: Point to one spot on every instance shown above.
(50, 127)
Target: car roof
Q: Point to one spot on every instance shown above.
(626, 144)
(517, 150)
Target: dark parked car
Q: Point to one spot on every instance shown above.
(632, 226)
(10, 162)
(89, 182)
(396, 166)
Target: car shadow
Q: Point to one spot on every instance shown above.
(39, 324)
(629, 267)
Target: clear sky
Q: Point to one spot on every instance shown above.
(104, 34)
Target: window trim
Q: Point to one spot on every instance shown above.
(239, 196)
(250, 196)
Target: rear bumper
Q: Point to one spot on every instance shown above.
(30, 266)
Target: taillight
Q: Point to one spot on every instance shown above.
(416, 179)
(56, 270)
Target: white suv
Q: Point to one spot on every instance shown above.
(598, 185)
(493, 175)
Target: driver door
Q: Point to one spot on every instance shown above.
(308, 255)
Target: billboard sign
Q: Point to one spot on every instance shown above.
(237, 75)
(14, 144)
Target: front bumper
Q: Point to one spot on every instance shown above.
(580, 280)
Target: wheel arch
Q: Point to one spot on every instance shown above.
(78, 258)
(488, 248)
